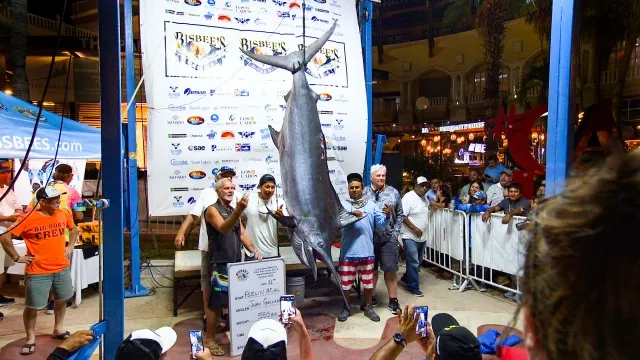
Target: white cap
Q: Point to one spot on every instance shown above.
(421, 180)
(165, 336)
(268, 332)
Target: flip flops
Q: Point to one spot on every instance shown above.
(61, 336)
(216, 350)
(28, 349)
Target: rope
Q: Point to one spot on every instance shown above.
(304, 32)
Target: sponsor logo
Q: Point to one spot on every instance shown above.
(177, 175)
(269, 118)
(178, 201)
(214, 118)
(243, 9)
(322, 10)
(283, 107)
(173, 92)
(279, 3)
(341, 113)
(227, 135)
(240, 92)
(179, 189)
(175, 119)
(325, 97)
(195, 120)
(242, 275)
(244, 147)
(194, 15)
(191, 200)
(338, 138)
(193, 2)
(242, 21)
(224, 18)
(199, 107)
(333, 3)
(325, 125)
(177, 136)
(340, 148)
(251, 158)
(265, 134)
(271, 171)
(190, 91)
(270, 159)
(324, 112)
(247, 120)
(197, 174)
(259, 22)
(247, 187)
(338, 125)
(177, 107)
(321, 1)
(317, 19)
(270, 107)
(212, 135)
(341, 98)
(176, 149)
(200, 162)
(246, 134)
(332, 172)
(286, 15)
(340, 182)
(208, 16)
(220, 148)
(196, 147)
(175, 162)
(230, 161)
(248, 174)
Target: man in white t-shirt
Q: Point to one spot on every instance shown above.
(10, 209)
(414, 227)
(262, 227)
(497, 192)
(206, 198)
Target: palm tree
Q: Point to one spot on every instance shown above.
(536, 76)
(19, 80)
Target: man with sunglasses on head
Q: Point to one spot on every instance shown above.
(262, 227)
(385, 241)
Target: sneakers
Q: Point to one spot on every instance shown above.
(417, 293)
(50, 310)
(374, 302)
(344, 315)
(368, 312)
(482, 287)
(512, 296)
(394, 306)
(6, 301)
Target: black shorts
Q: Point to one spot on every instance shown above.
(219, 297)
(386, 254)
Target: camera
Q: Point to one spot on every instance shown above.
(523, 225)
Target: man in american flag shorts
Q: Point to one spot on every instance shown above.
(356, 249)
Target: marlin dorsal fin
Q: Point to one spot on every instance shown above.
(275, 136)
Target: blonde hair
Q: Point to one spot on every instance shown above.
(377, 168)
(582, 263)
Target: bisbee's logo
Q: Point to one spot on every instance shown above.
(261, 47)
(242, 275)
(195, 120)
(197, 174)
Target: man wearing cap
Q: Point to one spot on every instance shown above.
(47, 259)
(385, 241)
(261, 227)
(10, 210)
(71, 201)
(356, 248)
(413, 233)
(206, 198)
(497, 192)
(267, 340)
(492, 171)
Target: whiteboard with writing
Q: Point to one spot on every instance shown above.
(255, 288)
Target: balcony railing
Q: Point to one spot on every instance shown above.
(534, 92)
(475, 98)
(611, 76)
(44, 23)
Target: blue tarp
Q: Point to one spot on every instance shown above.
(17, 119)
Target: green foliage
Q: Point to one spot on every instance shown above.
(537, 75)
(421, 164)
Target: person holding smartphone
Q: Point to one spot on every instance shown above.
(226, 236)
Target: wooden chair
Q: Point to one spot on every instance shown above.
(186, 267)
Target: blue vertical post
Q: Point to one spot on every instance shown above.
(136, 288)
(112, 169)
(366, 14)
(560, 128)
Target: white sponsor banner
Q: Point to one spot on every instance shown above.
(35, 173)
(210, 106)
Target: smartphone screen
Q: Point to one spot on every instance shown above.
(197, 344)
(422, 312)
(286, 308)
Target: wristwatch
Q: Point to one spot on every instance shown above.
(399, 339)
(17, 258)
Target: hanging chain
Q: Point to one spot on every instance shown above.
(304, 33)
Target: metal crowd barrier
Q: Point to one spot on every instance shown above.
(476, 251)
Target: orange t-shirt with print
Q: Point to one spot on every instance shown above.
(45, 240)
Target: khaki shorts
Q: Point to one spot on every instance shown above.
(38, 286)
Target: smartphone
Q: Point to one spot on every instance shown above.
(286, 308)
(197, 343)
(422, 312)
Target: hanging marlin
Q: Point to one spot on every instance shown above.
(315, 208)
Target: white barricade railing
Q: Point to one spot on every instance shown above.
(495, 246)
(445, 235)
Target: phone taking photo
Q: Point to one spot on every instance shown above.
(287, 309)
(197, 343)
(422, 312)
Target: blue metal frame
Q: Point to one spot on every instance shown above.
(136, 288)
(380, 141)
(560, 129)
(366, 15)
(112, 167)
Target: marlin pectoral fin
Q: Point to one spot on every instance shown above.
(275, 136)
(286, 221)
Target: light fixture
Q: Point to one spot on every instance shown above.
(461, 138)
(534, 136)
(413, 136)
(423, 142)
(48, 103)
(436, 138)
(541, 137)
(471, 136)
(453, 137)
(8, 92)
(504, 136)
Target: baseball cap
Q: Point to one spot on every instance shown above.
(266, 178)
(225, 169)
(4, 166)
(480, 195)
(354, 177)
(147, 344)
(65, 169)
(48, 192)
(421, 180)
(454, 342)
(267, 341)
(507, 171)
